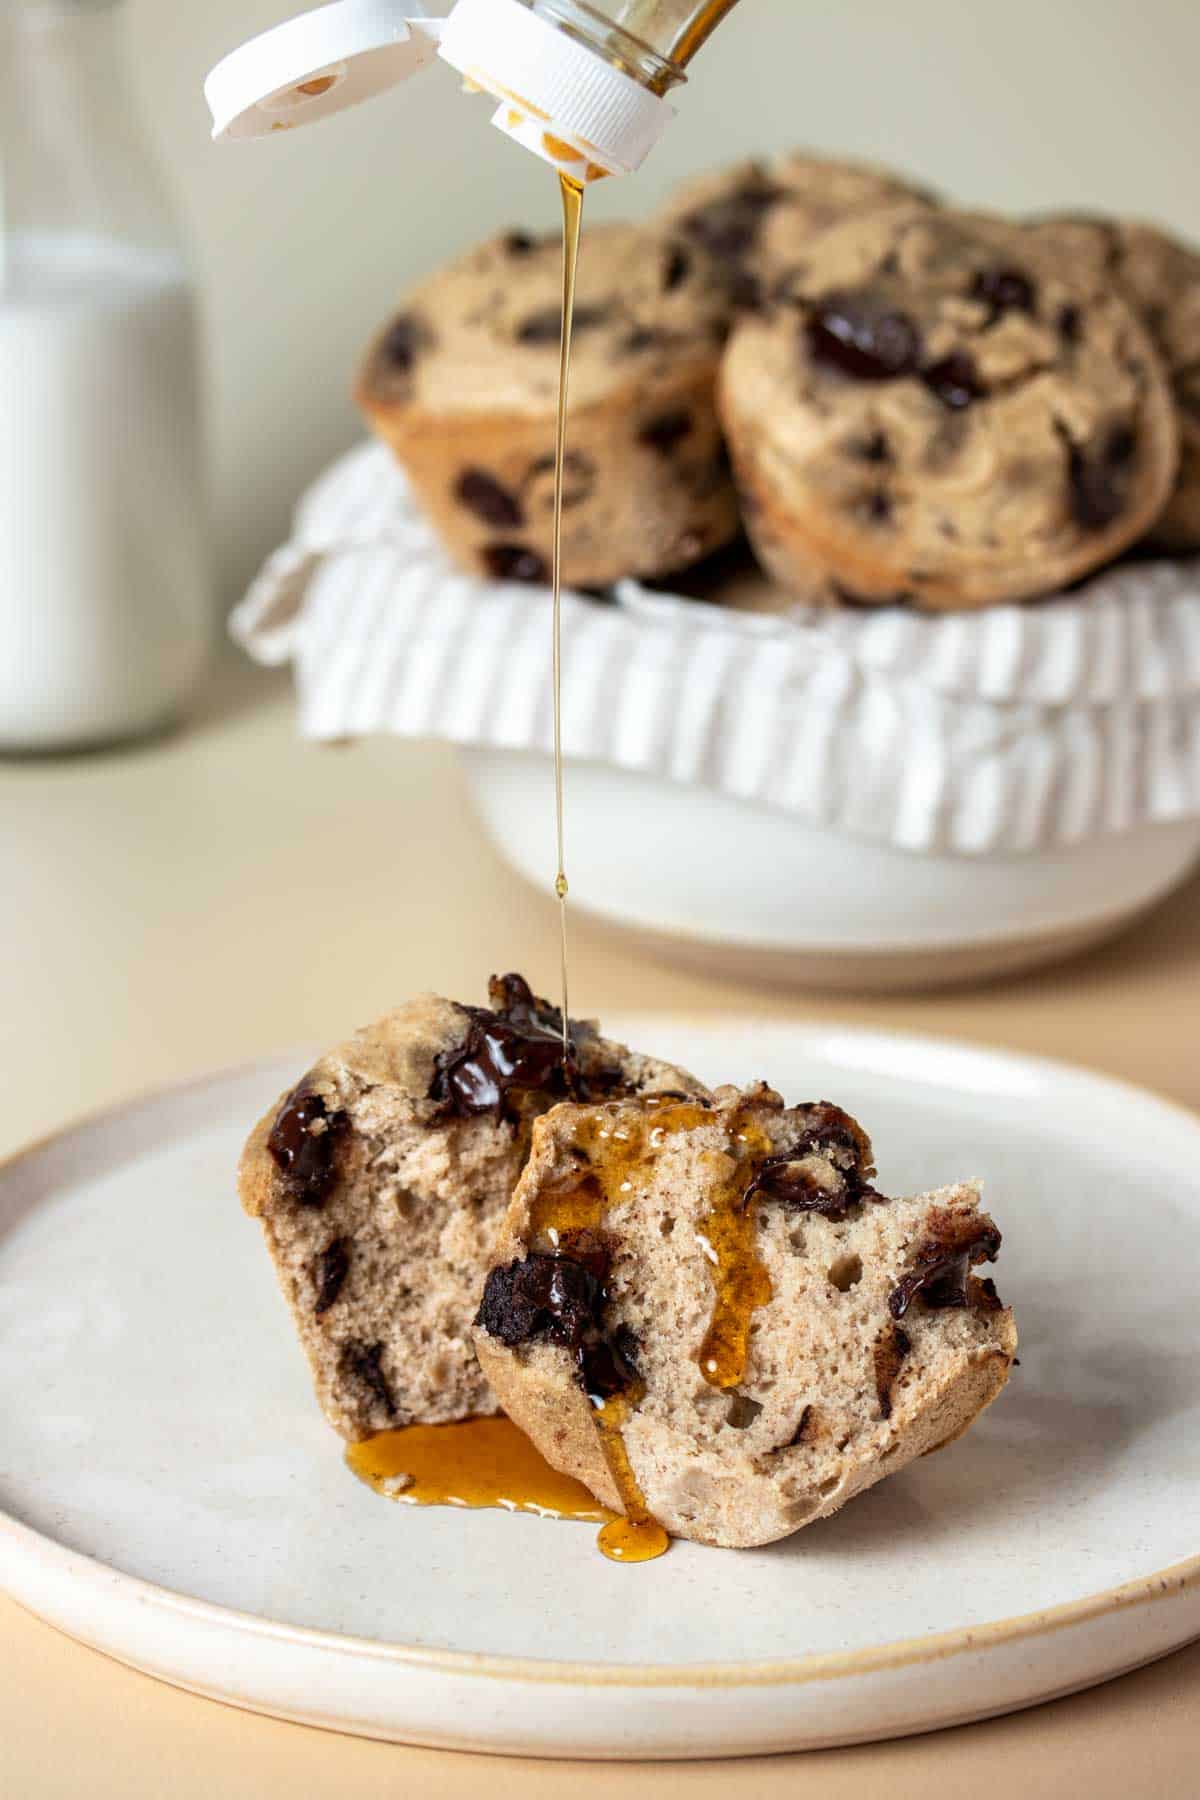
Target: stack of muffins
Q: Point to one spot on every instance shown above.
(898, 402)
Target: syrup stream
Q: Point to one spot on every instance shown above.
(572, 205)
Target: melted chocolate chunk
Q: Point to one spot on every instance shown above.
(332, 1268)
(943, 1264)
(520, 243)
(483, 495)
(559, 1300)
(364, 1363)
(545, 327)
(403, 341)
(303, 1145)
(515, 562)
(1099, 478)
(666, 431)
(864, 336)
(891, 1347)
(512, 1048)
(839, 1180)
(876, 507)
(1004, 290)
(955, 380)
(603, 1370)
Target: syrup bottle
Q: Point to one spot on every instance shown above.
(580, 83)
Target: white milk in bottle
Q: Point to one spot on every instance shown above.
(104, 608)
(105, 612)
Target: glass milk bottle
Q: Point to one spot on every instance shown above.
(105, 610)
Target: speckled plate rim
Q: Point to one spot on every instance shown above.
(833, 1042)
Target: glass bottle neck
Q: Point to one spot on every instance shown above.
(651, 40)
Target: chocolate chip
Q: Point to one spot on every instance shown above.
(730, 227)
(955, 380)
(1099, 478)
(547, 1297)
(865, 336)
(545, 327)
(332, 1268)
(943, 1263)
(647, 337)
(303, 1145)
(1004, 290)
(677, 269)
(891, 1347)
(579, 478)
(519, 243)
(666, 431)
(403, 340)
(876, 507)
(1070, 324)
(874, 448)
(483, 495)
(515, 562)
(364, 1363)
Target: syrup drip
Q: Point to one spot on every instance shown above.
(741, 1282)
(572, 205)
(483, 1464)
(477, 1463)
(621, 1144)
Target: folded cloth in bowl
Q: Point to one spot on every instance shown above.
(1009, 730)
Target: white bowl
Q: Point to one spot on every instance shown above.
(748, 891)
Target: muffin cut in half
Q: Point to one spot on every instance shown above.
(705, 1311)
(382, 1178)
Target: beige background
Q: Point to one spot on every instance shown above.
(229, 892)
(303, 243)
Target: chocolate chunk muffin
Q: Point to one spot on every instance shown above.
(1161, 278)
(710, 1314)
(728, 211)
(381, 1179)
(938, 408)
(463, 384)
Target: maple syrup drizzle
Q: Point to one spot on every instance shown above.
(621, 1144)
(572, 205)
(741, 1282)
(476, 1463)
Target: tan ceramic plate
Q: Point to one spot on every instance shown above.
(169, 1494)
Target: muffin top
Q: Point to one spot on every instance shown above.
(1160, 276)
(482, 335)
(957, 403)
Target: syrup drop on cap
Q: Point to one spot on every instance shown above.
(319, 64)
(557, 98)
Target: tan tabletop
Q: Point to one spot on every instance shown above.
(225, 893)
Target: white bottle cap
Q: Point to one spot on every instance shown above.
(319, 64)
(558, 98)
